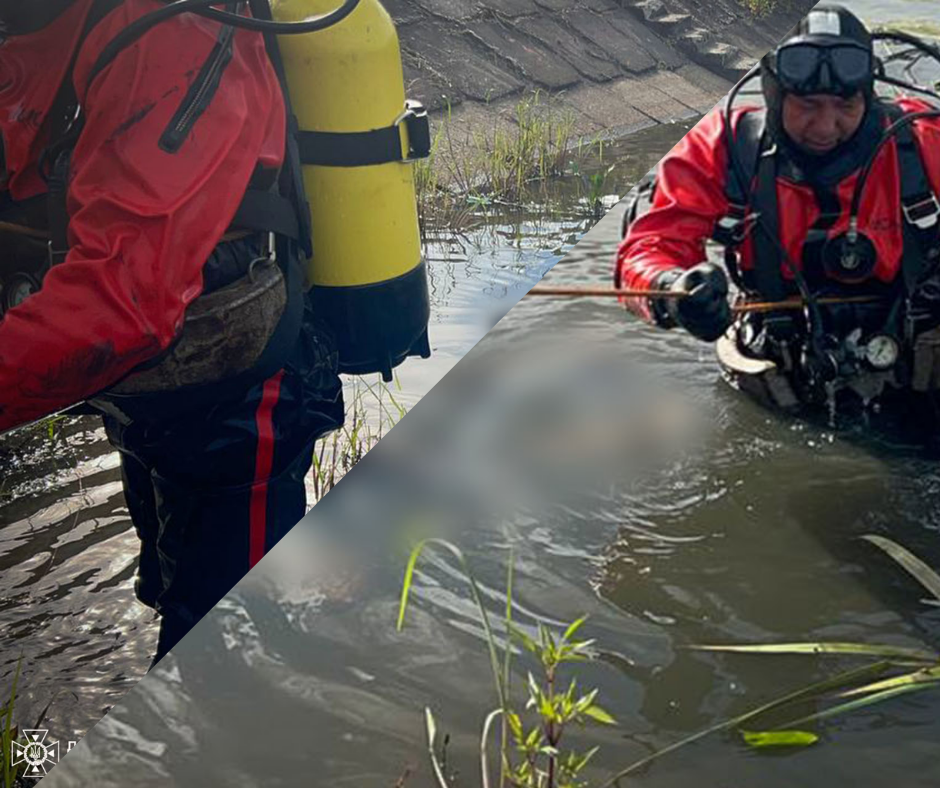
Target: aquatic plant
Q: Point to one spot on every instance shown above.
(533, 759)
(530, 754)
(503, 164)
(365, 424)
(893, 671)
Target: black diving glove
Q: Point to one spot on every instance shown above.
(704, 312)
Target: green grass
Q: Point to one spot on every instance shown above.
(373, 411)
(530, 753)
(504, 164)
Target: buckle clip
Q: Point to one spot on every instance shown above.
(55, 256)
(734, 227)
(415, 118)
(923, 214)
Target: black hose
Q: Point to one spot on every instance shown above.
(889, 132)
(140, 26)
(812, 312)
(905, 38)
(739, 175)
(311, 25)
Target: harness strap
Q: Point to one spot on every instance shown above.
(751, 190)
(54, 162)
(919, 207)
(365, 148)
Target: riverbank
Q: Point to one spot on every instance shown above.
(608, 67)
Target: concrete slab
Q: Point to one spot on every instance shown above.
(642, 93)
(472, 72)
(539, 64)
(425, 84)
(567, 5)
(632, 29)
(620, 48)
(586, 57)
(452, 10)
(511, 8)
(705, 80)
(614, 115)
(403, 11)
(683, 91)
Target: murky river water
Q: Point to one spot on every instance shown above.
(67, 547)
(630, 483)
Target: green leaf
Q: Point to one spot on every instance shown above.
(924, 676)
(406, 585)
(527, 642)
(921, 572)
(546, 709)
(860, 703)
(861, 649)
(515, 725)
(814, 690)
(598, 714)
(779, 738)
(574, 627)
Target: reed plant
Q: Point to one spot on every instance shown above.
(374, 410)
(530, 752)
(530, 755)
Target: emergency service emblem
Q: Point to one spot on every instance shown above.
(37, 754)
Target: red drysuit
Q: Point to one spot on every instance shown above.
(147, 204)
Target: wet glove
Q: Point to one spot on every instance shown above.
(704, 312)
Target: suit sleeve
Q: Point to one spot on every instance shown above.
(688, 200)
(144, 219)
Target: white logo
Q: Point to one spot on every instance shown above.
(36, 753)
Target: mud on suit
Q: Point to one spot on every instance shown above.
(176, 129)
(691, 199)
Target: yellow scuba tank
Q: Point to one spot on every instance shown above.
(357, 138)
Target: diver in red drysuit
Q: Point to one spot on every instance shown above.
(176, 128)
(824, 128)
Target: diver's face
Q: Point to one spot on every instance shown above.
(819, 123)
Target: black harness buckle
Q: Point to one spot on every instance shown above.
(733, 228)
(923, 213)
(415, 118)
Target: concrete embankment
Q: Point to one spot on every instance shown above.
(614, 66)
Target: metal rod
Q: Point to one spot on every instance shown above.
(21, 229)
(759, 306)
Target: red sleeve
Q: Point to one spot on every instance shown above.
(689, 198)
(143, 220)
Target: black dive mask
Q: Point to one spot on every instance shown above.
(841, 68)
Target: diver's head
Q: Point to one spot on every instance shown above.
(22, 17)
(819, 82)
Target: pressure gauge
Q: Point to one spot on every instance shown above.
(882, 351)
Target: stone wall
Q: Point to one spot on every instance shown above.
(620, 65)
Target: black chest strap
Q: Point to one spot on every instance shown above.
(751, 191)
(757, 212)
(919, 208)
(53, 164)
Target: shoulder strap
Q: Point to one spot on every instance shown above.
(53, 163)
(919, 206)
(742, 163)
(751, 190)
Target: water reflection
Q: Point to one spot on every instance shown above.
(698, 518)
(67, 546)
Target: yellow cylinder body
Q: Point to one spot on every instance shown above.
(364, 222)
